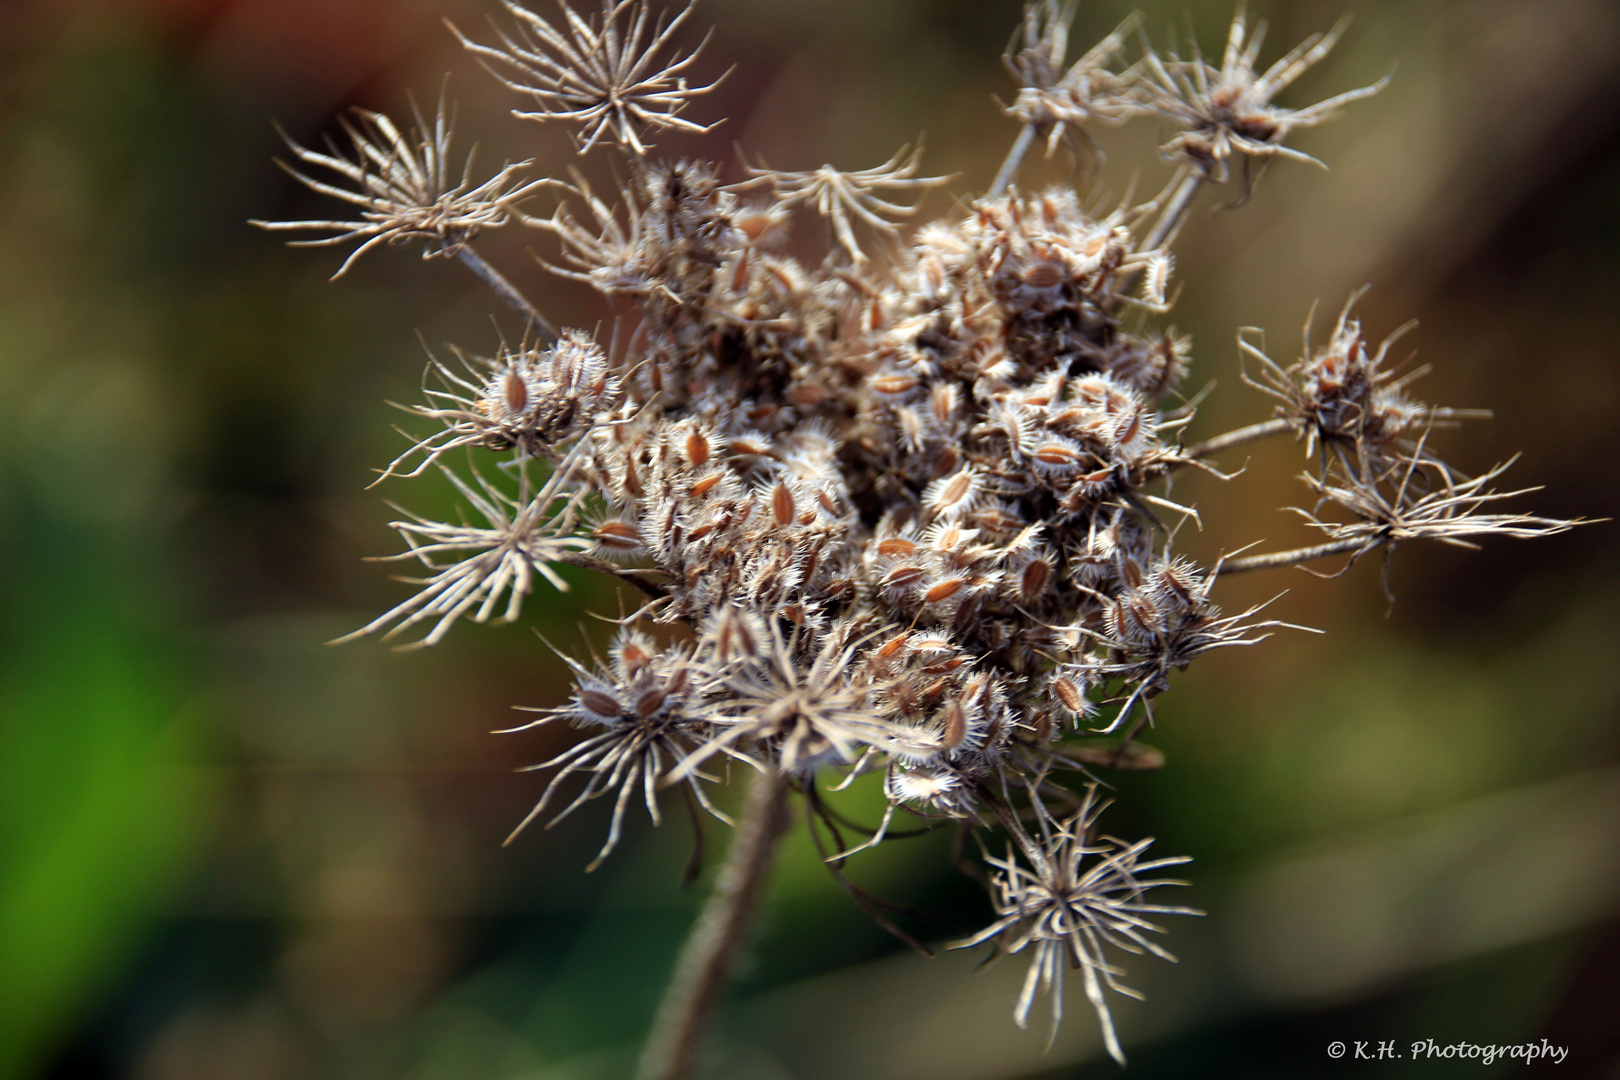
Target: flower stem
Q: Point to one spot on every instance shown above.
(1164, 229)
(1015, 158)
(704, 966)
(1275, 559)
(1264, 429)
(505, 290)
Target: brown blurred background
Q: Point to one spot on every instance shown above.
(226, 851)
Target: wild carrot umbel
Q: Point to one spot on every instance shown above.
(909, 503)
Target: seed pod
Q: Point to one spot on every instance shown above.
(952, 493)
(697, 449)
(706, 484)
(894, 385)
(650, 702)
(633, 658)
(903, 575)
(599, 703)
(617, 535)
(516, 392)
(896, 545)
(956, 725)
(782, 504)
(748, 446)
(1059, 456)
(1033, 580)
(1071, 695)
(887, 650)
(943, 591)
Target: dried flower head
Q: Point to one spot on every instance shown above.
(1230, 109)
(404, 188)
(604, 74)
(910, 517)
(522, 536)
(1061, 102)
(1072, 897)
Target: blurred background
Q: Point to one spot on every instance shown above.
(228, 851)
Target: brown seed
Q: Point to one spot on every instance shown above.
(793, 613)
(748, 447)
(894, 384)
(1043, 275)
(1130, 572)
(943, 591)
(517, 392)
(599, 704)
(955, 725)
(956, 490)
(1127, 431)
(697, 449)
(903, 575)
(782, 504)
(701, 531)
(946, 461)
(807, 394)
(706, 484)
(1043, 727)
(1032, 582)
(895, 545)
(1073, 698)
(1056, 454)
(651, 701)
(997, 520)
(887, 650)
(827, 503)
(634, 657)
(618, 535)
(632, 482)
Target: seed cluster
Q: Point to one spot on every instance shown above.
(903, 509)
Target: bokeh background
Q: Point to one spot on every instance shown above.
(227, 851)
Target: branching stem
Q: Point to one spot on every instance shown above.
(704, 966)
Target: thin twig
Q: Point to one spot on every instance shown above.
(1275, 559)
(1168, 221)
(505, 290)
(704, 966)
(1015, 158)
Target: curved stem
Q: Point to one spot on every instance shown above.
(704, 966)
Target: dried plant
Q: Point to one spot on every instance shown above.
(902, 512)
